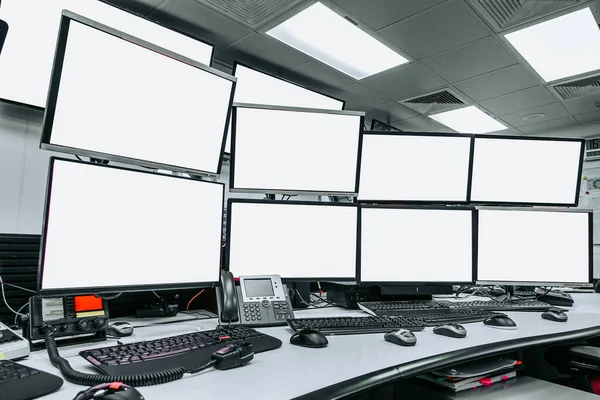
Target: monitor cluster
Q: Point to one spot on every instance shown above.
(114, 228)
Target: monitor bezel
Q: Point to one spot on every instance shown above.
(112, 289)
(234, 189)
(416, 207)
(424, 134)
(231, 201)
(531, 138)
(55, 80)
(542, 283)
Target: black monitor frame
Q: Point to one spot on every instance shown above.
(45, 141)
(426, 134)
(541, 282)
(233, 188)
(531, 138)
(110, 289)
(297, 203)
(411, 283)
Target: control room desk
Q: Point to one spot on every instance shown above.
(350, 364)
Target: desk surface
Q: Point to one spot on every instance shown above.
(349, 364)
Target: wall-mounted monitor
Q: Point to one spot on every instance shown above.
(414, 167)
(534, 247)
(526, 170)
(295, 150)
(26, 63)
(257, 87)
(400, 245)
(109, 229)
(116, 97)
(296, 240)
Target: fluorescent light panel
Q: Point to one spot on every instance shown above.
(28, 53)
(468, 120)
(325, 35)
(560, 47)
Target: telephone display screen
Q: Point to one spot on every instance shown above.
(258, 287)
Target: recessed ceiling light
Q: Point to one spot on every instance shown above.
(325, 35)
(561, 47)
(468, 120)
(534, 117)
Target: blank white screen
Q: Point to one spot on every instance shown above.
(113, 227)
(414, 168)
(255, 87)
(28, 53)
(533, 246)
(407, 245)
(119, 98)
(525, 171)
(293, 241)
(296, 151)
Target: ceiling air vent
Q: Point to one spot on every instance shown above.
(251, 13)
(579, 88)
(432, 103)
(505, 14)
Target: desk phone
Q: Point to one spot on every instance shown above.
(257, 301)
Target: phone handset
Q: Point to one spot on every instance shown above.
(229, 299)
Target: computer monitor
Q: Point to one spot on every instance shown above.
(117, 97)
(526, 171)
(109, 229)
(295, 150)
(299, 241)
(534, 247)
(26, 65)
(414, 167)
(415, 246)
(257, 87)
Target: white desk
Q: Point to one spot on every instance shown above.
(293, 371)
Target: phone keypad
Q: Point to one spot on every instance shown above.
(252, 312)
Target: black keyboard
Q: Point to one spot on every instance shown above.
(18, 382)
(354, 325)
(404, 305)
(505, 305)
(459, 316)
(188, 351)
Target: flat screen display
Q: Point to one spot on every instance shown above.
(404, 245)
(285, 150)
(414, 168)
(293, 240)
(258, 287)
(28, 54)
(255, 87)
(527, 171)
(114, 98)
(528, 247)
(109, 229)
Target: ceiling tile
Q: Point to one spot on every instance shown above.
(497, 83)
(517, 101)
(582, 105)
(258, 49)
(200, 22)
(318, 76)
(358, 97)
(552, 111)
(544, 127)
(588, 117)
(380, 13)
(476, 58)
(438, 29)
(142, 7)
(403, 82)
(419, 124)
(390, 111)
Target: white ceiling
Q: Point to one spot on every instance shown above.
(449, 43)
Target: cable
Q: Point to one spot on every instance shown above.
(302, 299)
(20, 287)
(109, 298)
(77, 157)
(19, 310)
(4, 298)
(193, 298)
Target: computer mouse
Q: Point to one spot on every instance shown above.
(555, 314)
(119, 329)
(128, 394)
(110, 391)
(451, 330)
(500, 321)
(402, 337)
(309, 337)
